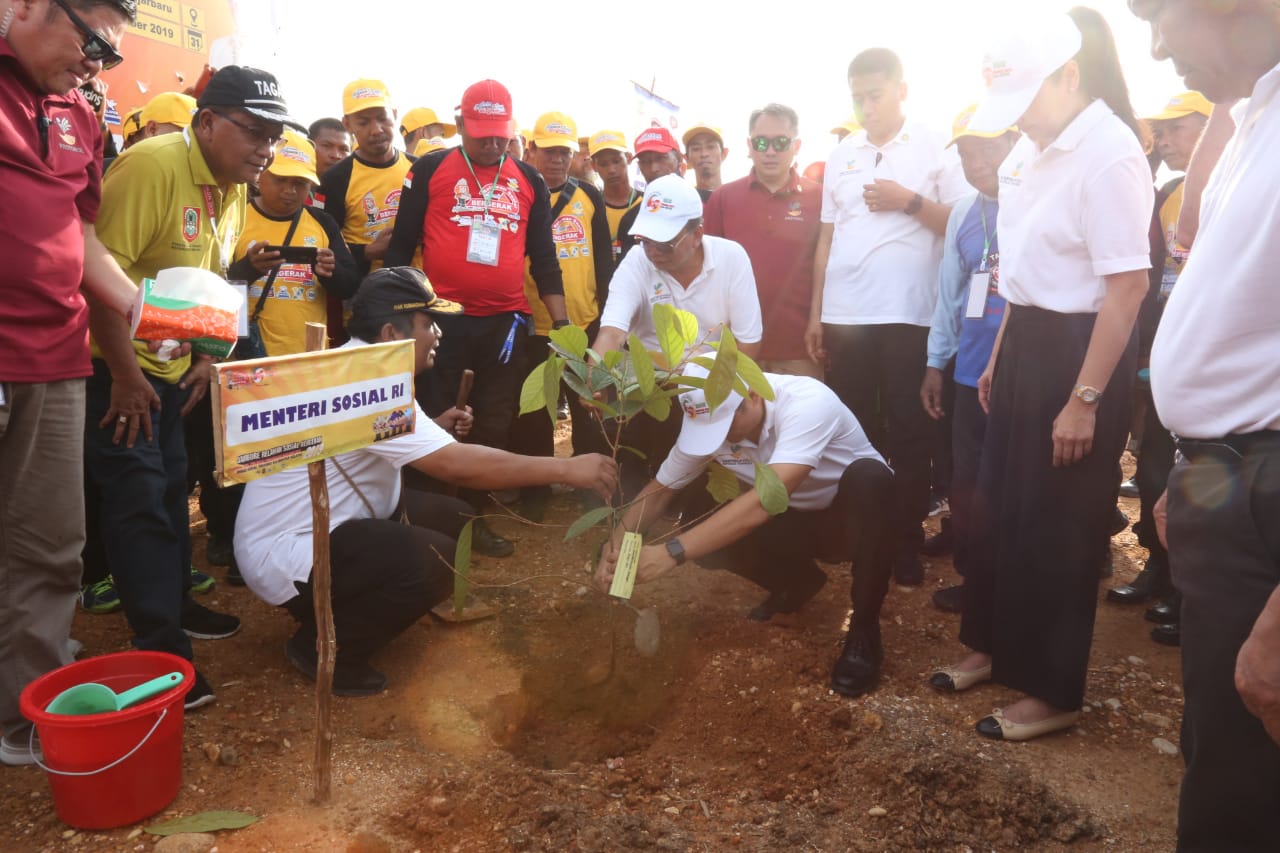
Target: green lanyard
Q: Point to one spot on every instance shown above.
(986, 236)
(486, 195)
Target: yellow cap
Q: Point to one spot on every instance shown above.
(606, 140)
(131, 125)
(1184, 105)
(365, 94)
(295, 158)
(702, 128)
(960, 127)
(419, 117)
(849, 125)
(426, 146)
(554, 130)
(168, 108)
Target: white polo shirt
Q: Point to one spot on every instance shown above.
(1215, 367)
(1074, 213)
(805, 424)
(883, 267)
(273, 539)
(724, 293)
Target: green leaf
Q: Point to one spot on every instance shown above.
(554, 367)
(773, 495)
(631, 407)
(688, 325)
(642, 364)
(720, 379)
(722, 483)
(571, 340)
(204, 822)
(576, 383)
(635, 451)
(658, 408)
(588, 520)
(532, 395)
(753, 376)
(612, 359)
(462, 568)
(604, 408)
(670, 335)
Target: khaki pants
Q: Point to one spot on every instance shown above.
(41, 532)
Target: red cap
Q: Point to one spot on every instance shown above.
(486, 110)
(656, 139)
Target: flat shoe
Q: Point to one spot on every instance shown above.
(999, 727)
(954, 680)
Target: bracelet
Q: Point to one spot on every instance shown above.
(913, 206)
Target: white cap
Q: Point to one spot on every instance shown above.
(703, 431)
(1018, 64)
(669, 203)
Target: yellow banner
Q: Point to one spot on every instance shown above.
(276, 413)
(156, 29)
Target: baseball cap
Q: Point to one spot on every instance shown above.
(555, 130)
(421, 117)
(702, 128)
(250, 89)
(849, 125)
(398, 290)
(1183, 105)
(703, 431)
(962, 126)
(365, 94)
(168, 108)
(606, 140)
(295, 158)
(131, 124)
(656, 139)
(1019, 62)
(669, 203)
(486, 110)
(426, 146)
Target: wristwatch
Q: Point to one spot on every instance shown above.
(559, 324)
(913, 206)
(676, 550)
(1087, 394)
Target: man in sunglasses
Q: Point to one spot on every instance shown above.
(774, 213)
(50, 188)
(176, 200)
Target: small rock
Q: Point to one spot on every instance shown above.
(1163, 746)
(614, 763)
(1160, 721)
(286, 744)
(1136, 661)
(186, 842)
(70, 833)
(795, 707)
(228, 756)
(211, 750)
(671, 810)
(877, 811)
(1113, 704)
(439, 805)
(873, 721)
(349, 779)
(132, 835)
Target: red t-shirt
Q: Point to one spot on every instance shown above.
(50, 180)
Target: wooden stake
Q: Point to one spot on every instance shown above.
(326, 642)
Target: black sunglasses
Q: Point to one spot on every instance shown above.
(779, 143)
(259, 135)
(95, 47)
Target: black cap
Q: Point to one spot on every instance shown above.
(250, 89)
(129, 7)
(398, 290)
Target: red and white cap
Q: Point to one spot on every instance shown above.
(669, 203)
(655, 139)
(1015, 67)
(486, 110)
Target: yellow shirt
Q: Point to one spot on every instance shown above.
(1175, 256)
(296, 298)
(156, 203)
(615, 214)
(571, 231)
(365, 199)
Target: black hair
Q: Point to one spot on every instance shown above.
(779, 111)
(322, 124)
(876, 60)
(369, 328)
(1100, 73)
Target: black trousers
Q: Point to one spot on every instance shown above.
(968, 428)
(1224, 542)
(1032, 586)
(876, 371)
(654, 439)
(857, 526)
(385, 575)
(1152, 476)
(218, 504)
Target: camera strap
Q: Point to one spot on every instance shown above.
(271, 277)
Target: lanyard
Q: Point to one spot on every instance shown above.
(986, 235)
(485, 195)
(211, 212)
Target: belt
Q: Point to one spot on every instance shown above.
(1231, 447)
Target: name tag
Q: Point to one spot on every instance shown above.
(977, 305)
(482, 245)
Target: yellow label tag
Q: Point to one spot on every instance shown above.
(624, 576)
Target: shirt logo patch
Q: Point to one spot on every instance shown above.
(567, 229)
(190, 224)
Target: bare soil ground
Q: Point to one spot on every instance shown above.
(544, 729)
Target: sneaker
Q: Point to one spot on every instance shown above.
(234, 578)
(199, 695)
(485, 541)
(100, 597)
(349, 678)
(201, 623)
(562, 411)
(218, 551)
(200, 582)
(1129, 489)
(937, 506)
(20, 748)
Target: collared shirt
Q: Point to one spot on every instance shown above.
(1214, 369)
(779, 231)
(155, 215)
(724, 293)
(883, 266)
(1074, 213)
(50, 181)
(273, 527)
(805, 424)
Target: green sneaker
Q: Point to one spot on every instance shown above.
(200, 582)
(100, 597)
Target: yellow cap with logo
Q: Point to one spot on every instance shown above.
(295, 158)
(607, 140)
(961, 127)
(554, 130)
(426, 146)
(420, 117)
(168, 108)
(365, 94)
(1183, 105)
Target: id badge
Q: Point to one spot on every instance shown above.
(1167, 281)
(977, 305)
(482, 245)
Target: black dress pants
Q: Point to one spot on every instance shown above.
(969, 427)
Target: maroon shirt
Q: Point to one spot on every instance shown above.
(779, 231)
(50, 180)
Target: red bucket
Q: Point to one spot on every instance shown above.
(113, 769)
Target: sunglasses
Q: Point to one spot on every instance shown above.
(95, 47)
(257, 134)
(663, 248)
(779, 143)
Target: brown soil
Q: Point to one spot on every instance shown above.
(545, 729)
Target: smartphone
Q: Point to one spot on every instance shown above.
(296, 254)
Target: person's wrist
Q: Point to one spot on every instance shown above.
(913, 206)
(559, 324)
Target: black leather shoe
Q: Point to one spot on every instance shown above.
(1129, 488)
(349, 678)
(857, 670)
(1119, 522)
(940, 543)
(1164, 613)
(908, 570)
(1167, 635)
(234, 578)
(949, 599)
(788, 600)
(485, 541)
(1144, 587)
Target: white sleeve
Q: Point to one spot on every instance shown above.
(803, 435)
(680, 469)
(1117, 216)
(427, 437)
(624, 293)
(745, 318)
(830, 210)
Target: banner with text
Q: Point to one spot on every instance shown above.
(276, 413)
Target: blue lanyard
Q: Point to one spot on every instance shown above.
(510, 344)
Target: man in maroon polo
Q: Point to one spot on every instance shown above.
(774, 213)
